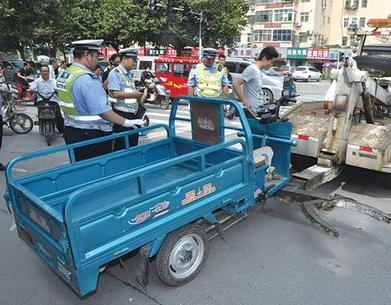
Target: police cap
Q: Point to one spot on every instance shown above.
(88, 44)
(210, 53)
(129, 52)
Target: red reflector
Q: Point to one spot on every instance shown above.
(366, 148)
(303, 137)
(26, 235)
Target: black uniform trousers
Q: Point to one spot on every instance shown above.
(74, 135)
(1, 129)
(133, 139)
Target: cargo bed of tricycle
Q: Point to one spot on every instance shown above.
(81, 216)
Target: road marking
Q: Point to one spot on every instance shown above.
(13, 226)
(16, 169)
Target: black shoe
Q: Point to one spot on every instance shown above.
(2, 167)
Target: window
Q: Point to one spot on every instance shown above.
(304, 16)
(263, 1)
(354, 20)
(144, 64)
(243, 66)
(303, 36)
(163, 67)
(264, 16)
(362, 22)
(263, 35)
(249, 37)
(305, 0)
(345, 22)
(231, 66)
(364, 3)
(283, 15)
(282, 35)
(344, 41)
(347, 3)
(182, 70)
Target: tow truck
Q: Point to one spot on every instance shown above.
(352, 125)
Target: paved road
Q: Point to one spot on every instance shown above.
(273, 257)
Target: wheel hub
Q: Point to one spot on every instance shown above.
(186, 256)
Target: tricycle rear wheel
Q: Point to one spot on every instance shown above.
(182, 255)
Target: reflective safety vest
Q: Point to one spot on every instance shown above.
(128, 104)
(64, 86)
(209, 84)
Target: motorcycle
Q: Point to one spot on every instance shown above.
(19, 123)
(157, 93)
(46, 118)
(29, 97)
(267, 111)
(289, 92)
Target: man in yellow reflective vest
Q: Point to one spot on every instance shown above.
(123, 96)
(206, 79)
(83, 102)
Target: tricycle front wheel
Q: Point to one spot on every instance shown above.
(182, 255)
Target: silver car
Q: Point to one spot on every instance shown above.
(271, 85)
(307, 73)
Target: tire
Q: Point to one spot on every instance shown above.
(21, 123)
(376, 65)
(164, 103)
(267, 95)
(308, 79)
(146, 120)
(182, 255)
(319, 79)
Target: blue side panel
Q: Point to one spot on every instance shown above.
(282, 151)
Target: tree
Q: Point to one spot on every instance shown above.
(56, 23)
(222, 22)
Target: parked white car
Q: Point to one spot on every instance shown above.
(271, 85)
(307, 73)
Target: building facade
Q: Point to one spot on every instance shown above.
(308, 23)
(307, 31)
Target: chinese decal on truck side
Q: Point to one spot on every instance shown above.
(153, 212)
(201, 192)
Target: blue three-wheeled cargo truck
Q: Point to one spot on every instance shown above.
(156, 198)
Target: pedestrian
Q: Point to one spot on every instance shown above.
(84, 103)
(248, 86)
(61, 68)
(45, 88)
(2, 167)
(22, 81)
(123, 96)
(52, 68)
(98, 72)
(113, 62)
(205, 79)
(222, 67)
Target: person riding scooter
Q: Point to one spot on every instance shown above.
(46, 89)
(147, 74)
(157, 93)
